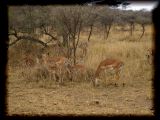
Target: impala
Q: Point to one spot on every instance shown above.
(108, 65)
(28, 61)
(149, 55)
(78, 71)
(83, 46)
(56, 65)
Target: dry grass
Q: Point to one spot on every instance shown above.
(34, 91)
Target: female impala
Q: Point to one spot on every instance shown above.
(108, 65)
(78, 71)
(28, 61)
(83, 46)
(56, 65)
(149, 55)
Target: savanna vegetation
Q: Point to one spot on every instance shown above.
(84, 36)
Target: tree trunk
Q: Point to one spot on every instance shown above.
(74, 48)
(64, 39)
(143, 30)
(77, 41)
(69, 52)
(90, 32)
(131, 29)
(79, 32)
(108, 30)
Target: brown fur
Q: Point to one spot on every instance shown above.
(78, 70)
(56, 65)
(108, 64)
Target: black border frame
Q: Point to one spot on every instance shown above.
(3, 62)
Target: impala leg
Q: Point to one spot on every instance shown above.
(117, 76)
(61, 76)
(85, 77)
(50, 77)
(68, 75)
(56, 77)
(105, 81)
(72, 77)
(61, 79)
(95, 82)
(85, 52)
(150, 60)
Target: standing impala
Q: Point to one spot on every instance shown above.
(56, 65)
(83, 46)
(78, 71)
(149, 55)
(28, 61)
(108, 65)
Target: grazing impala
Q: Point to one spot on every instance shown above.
(108, 65)
(56, 65)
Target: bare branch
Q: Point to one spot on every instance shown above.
(26, 38)
(45, 32)
(80, 26)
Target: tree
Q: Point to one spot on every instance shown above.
(143, 18)
(107, 17)
(130, 17)
(70, 22)
(90, 19)
(23, 22)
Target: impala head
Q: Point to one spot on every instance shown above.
(45, 55)
(92, 77)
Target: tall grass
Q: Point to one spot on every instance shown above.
(127, 49)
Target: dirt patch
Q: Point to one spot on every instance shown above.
(79, 99)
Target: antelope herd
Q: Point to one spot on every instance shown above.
(61, 66)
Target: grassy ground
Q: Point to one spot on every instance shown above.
(28, 96)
